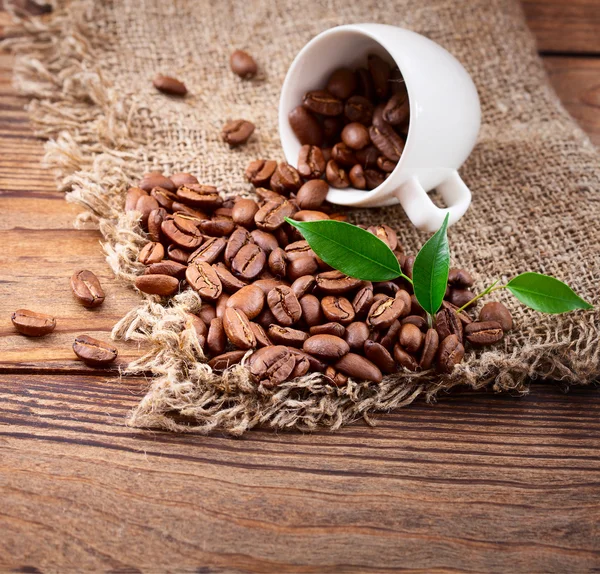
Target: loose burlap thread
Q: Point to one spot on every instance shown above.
(534, 174)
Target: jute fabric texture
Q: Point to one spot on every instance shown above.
(534, 175)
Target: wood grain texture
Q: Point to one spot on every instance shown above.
(565, 26)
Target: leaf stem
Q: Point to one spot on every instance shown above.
(490, 289)
(402, 276)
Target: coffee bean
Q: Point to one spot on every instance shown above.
(182, 178)
(155, 219)
(273, 365)
(362, 301)
(333, 328)
(303, 285)
(322, 102)
(249, 299)
(215, 338)
(416, 320)
(202, 196)
(357, 177)
(145, 205)
(332, 127)
(259, 172)
(237, 328)
(356, 334)
(342, 155)
(407, 269)
(87, 289)
(358, 109)
(311, 310)
(387, 141)
(209, 251)
(386, 165)
(411, 338)
(163, 285)
(337, 309)
(387, 287)
(285, 179)
(277, 263)
(312, 194)
(380, 72)
(358, 367)
(326, 346)
(391, 335)
(32, 324)
(207, 313)
(272, 215)
(460, 297)
(243, 64)
(171, 268)
(367, 157)
(309, 215)
(286, 335)
(298, 249)
(396, 111)
(169, 85)
(336, 283)
(404, 359)
(226, 360)
(193, 322)
(460, 278)
(152, 252)
(218, 226)
(177, 254)
(237, 132)
(202, 278)
(430, 348)
(495, 311)
(236, 241)
(249, 261)
(484, 333)
(265, 285)
(355, 135)
(386, 234)
(284, 305)
(183, 208)
(131, 199)
(262, 340)
(300, 267)
(373, 178)
(305, 126)
(230, 283)
(450, 353)
(266, 241)
(380, 356)
(311, 163)
(94, 352)
(163, 197)
(156, 179)
(243, 212)
(364, 84)
(221, 304)
(447, 323)
(342, 83)
(384, 312)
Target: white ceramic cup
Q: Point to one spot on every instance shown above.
(444, 117)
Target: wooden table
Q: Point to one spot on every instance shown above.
(477, 483)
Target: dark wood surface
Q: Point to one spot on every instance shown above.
(478, 482)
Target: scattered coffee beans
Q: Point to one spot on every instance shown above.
(168, 85)
(87, 289)
(32, 324)
(237, 132)
(243, 64)
(93, 351)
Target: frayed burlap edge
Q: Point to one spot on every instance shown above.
(95, 156)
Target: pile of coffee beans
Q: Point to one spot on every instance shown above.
(356, 126)
(264, 289)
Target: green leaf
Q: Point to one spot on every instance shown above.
(430, 271)
(546, 294)
(350, 249)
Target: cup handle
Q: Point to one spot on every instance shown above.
(423, 213)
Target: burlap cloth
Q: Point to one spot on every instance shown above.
(534, 174)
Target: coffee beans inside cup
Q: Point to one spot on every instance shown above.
(353, 129)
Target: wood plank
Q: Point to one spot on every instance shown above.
(478, 483)
(565, 27)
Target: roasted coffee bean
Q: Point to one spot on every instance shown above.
(396, 81)
(342, 155)
(249, 299)
(404, 359)
(300, 267)
(357, 177)
(131, 199)
(272, 215)
(272, 365)
(380, 356)
(358, 109)
(209, 251)
(198, 326)
(322, 102)
(155, 219)
(152, 252)
(243, 212)
(384, 312)
(226, 360)
(262, 340)
(312, 194)
(358, 367)
(430, 348)
(164, 197)
(285, 179)
(416, 320)
(386, 234)
(460, 297)
(165, 267)
(311, 310)
(94, 352)
(219, 226)
(242, 64)
(265, 285)
(355, 135)
(284, 305)
(387, 287)
(202, 278)
(362, 301)
(380, 297)
(356, 334)
(145, 205)
(302, 365)
(200, 196)
(182, 178)
(277, 262)
(448, 323)
(286, 335)
(266, 241)
(311, 163)
(32, 324)
(460, 278)
(237, 328)
(169, 85)
(183, 208)
(249, 261)
(305, 126)
(396, 111)
(364, 84)
(391, 335)
(337, 309)
(380, 72)
(484, 332)
(387, 141)
(450, 353)
(259, 171)
(411, 338)
(207, 313)
(236, 241)
(407, 269)
(298, 249)
(303, 285)
(337, 378)
(342, 83)
(309, 215)
(177, 254)
(367, 157)
(386, 165)
(221, 304)
(163, 285)
(333, 328)
(266, 318)
(373, 178)
(495, 311)
(187, 237)
(237, 132)
(326, 346)
(335, 282)
(332, 127)
(215, 338)
(156, 179)
(230, 283)
(87, 289)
